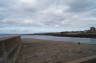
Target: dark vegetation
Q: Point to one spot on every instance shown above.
(91, 33)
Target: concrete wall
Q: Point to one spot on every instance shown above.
(9, 47)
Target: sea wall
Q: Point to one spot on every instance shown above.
(9, 49)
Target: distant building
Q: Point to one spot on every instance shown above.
(92, 29)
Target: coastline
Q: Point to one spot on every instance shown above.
(48, 51)
(69, 34)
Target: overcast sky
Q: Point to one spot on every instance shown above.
(29, 16)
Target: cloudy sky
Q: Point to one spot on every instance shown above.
(29, 16)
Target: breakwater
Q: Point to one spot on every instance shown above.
(9, 49)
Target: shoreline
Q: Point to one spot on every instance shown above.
(61, 40)
(84, 35)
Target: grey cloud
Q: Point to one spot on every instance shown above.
(14, 12)
(53, 20)
(82, 5)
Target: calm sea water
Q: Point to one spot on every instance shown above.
(4, 35)
(66, 39)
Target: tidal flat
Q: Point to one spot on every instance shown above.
(48, 51)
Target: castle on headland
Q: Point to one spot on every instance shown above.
(92, 29)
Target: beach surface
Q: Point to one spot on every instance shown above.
(47, 51)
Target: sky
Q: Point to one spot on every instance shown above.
(36, 16)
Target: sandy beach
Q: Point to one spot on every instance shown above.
(47, 51)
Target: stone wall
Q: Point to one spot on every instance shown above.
(9, 48)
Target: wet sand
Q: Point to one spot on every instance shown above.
(47, 51)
